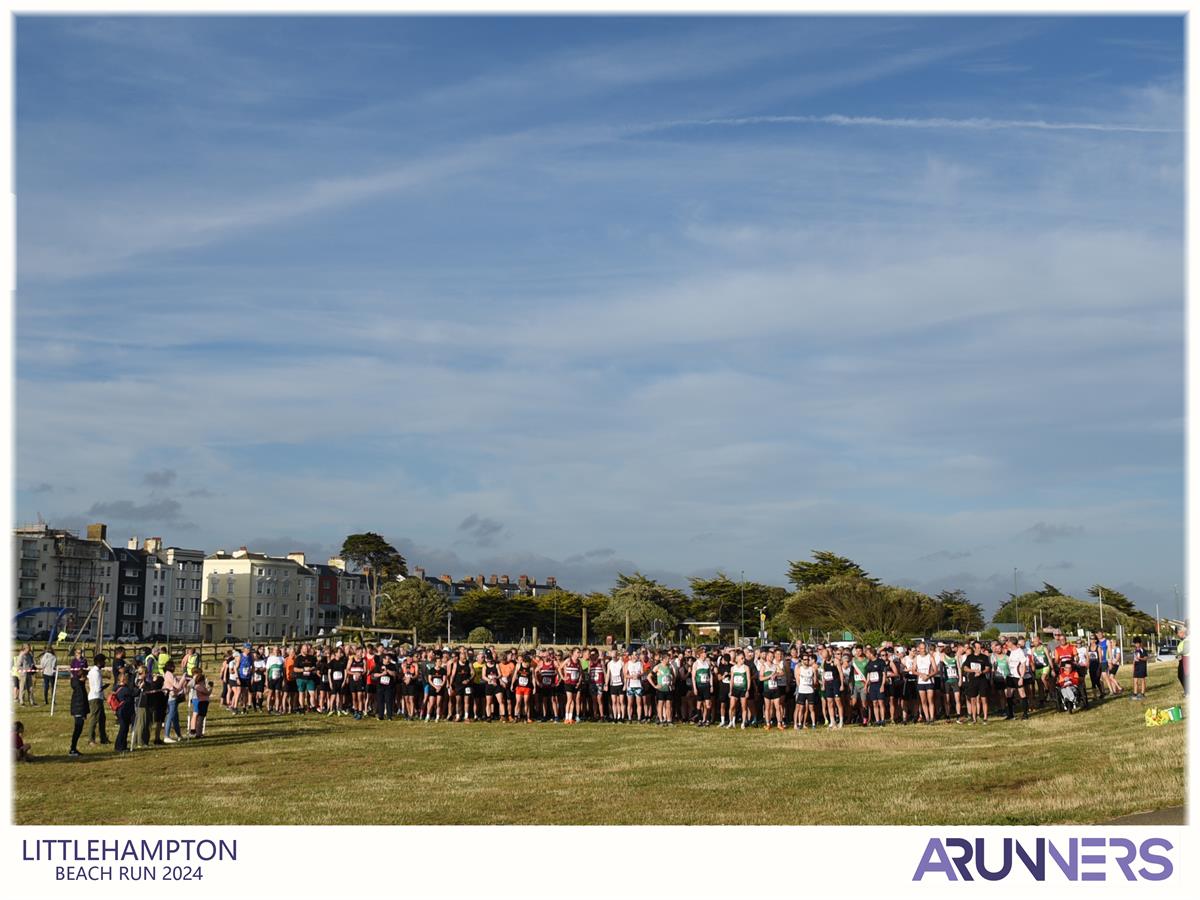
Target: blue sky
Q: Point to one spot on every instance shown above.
(581, 295)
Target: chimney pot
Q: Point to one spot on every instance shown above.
(504, 579)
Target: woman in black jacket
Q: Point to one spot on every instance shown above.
(127, 696)
(79, 708)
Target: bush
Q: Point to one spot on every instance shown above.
(989, 634)
(480, 635)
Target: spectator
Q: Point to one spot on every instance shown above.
(1182, 652)
(78, 663)
(176, 688)
(141, 710)
(127, 696)
(49, 666)
(95, 697)
(79, 709)
(20, 748)
(27, 668)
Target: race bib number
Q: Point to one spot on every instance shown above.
(437, 682)
(976, 668)
(951, 672)
(336, 675)
(829, 676)
(385, 679)
(873, 676)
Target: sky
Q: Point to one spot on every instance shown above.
(579, 296)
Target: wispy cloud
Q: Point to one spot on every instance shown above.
(936, 123)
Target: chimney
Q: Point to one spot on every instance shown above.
(337, 562)
(153, 544)
(419, 573)
(132, 543)
(479, 580)
(296, 558)
(551, 581)
(492, 580)
(445, 578)
(504, 579)
(220, 553)
(97, 532)
(523, 581)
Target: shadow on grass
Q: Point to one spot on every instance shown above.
(219, 740)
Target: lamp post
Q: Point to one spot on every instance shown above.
(447, 628)
(556, 618)
(1016, 603)
(742, 619)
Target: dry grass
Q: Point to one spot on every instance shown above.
(256, 770)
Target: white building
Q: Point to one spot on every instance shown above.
(253, 596)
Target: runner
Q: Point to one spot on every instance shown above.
(977, 668)
(807, 679)
(876, 673)
(523, 682)
(1140, 658)
(571, 677)
(831, 690)
(924, 665)
(663, 678)
(702, 681)
(739, 689)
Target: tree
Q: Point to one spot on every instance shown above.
(859, 605)
(673, 600)
(825, 567)
(635, 596)
(1062, 611)
(721, 598)
(382, 561)
(413, 603)
(480, 636)
(958, 614)
(1121, 603)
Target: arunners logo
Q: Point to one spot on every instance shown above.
(963, 859)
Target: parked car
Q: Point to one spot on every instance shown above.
(1167, 650)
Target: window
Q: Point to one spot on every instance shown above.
(195, 584)
(258, 609)
(229, 586)
(258, 587)
(285, 606)
(257, 629)
(228, 628)
(179, 604)
(130, 590)
(129, 609)
(195, 604)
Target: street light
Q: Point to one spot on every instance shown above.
(742, 623)
(447, 628)
(1016, 603)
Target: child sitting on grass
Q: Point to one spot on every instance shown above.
(20, 748)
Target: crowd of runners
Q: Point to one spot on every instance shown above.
(797, 686)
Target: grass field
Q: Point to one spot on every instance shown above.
(255, 770)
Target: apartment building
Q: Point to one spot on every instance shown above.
(174, 590)
(57, 569)
(254, 596)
